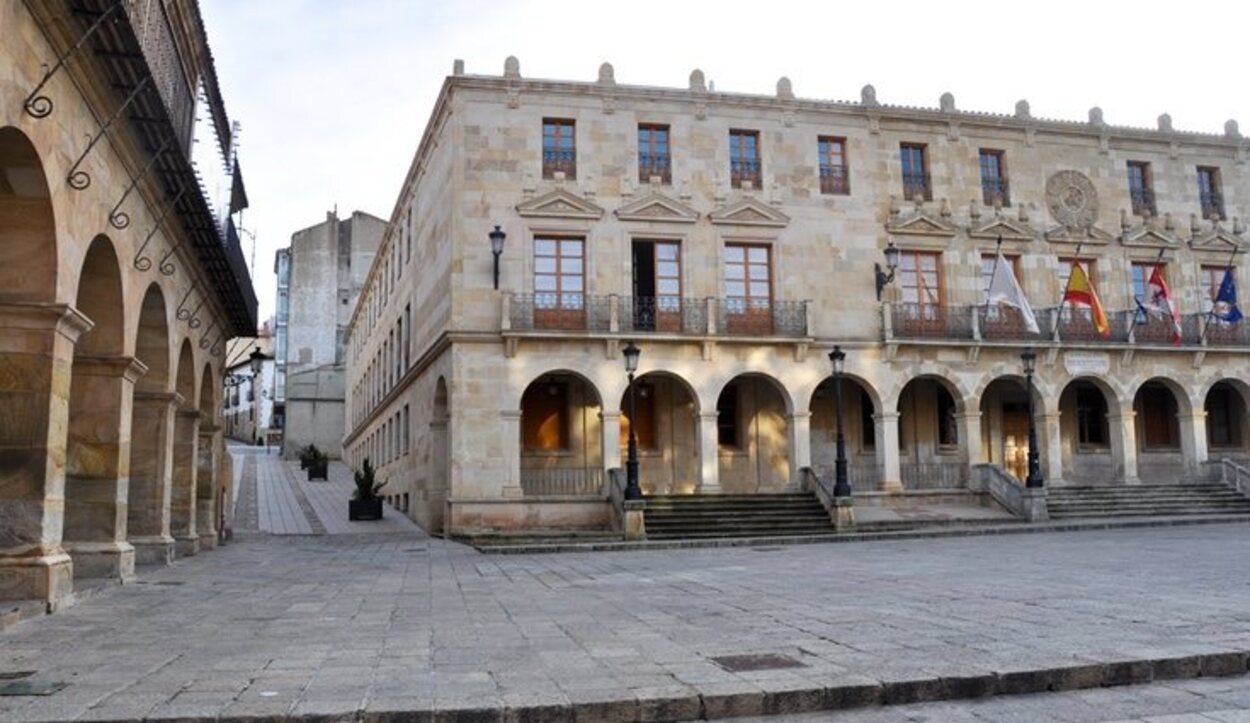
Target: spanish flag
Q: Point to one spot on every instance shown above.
(1081, 293)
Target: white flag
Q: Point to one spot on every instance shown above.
(1004, 289)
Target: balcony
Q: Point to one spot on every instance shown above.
(655, 164)
(1212, 205)
(744, 171)
(917, 185)
(559, 161)
(994, 192)
(707, 317)
(1073, 325)
(1143, 201)
(835, 180)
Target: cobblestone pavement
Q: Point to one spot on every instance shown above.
(359, 624)
(1214, 700)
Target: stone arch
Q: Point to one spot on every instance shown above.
(1166, 439)
(182, 517)
(938, 373)
(668, 432)
(97, 454)
(561, 435)
(861, 415)
(28, 245)
(933, 448)
(1092, 445)
(1004, 406)
(753, 434)
(152, 435)
(1226, 406)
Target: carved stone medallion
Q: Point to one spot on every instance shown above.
(1072, 200)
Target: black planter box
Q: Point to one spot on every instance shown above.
(318, 470)
(364, 509)
(303, 463)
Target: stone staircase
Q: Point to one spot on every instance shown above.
(1147, 500)
(687, 517)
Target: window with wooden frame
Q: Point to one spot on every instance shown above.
(748, 289)
(744, 158)
(728, 430)
(1077, 321)
(1091, 418)
(1141, 188)
(1210, 192)
(644, 408)
(835, 176)
(1211, 278)
(947, 424)
(920, 284)
(559, 283)
(915, 164)
(545, 416)
(994, 189)
(559, 148)
(1157, 408)
(657, 304)
(654, 157)
(1000, 317)
(1224, 413)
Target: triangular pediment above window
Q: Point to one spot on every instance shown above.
(560, 204)
(657, 207)
(749, 212)
(1217, 239)
(920, 223)
(1008, 228)
(1091, 235)
(1149, 236)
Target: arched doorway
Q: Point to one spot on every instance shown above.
(667, 433)
(207, 520)
(561, 436)
(151, 437)
(930, 455)
(1156, 413)
(97, 451)
(1005, 426)
(859, 415)
(431, 488)
(753, 435)
(1227, 421)
(1085, 432)
(186, 440)
(32, 401)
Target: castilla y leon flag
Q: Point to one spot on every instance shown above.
(1160, 302)
(1081, 292)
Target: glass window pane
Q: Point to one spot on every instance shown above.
(759, 272)
(735, 271)
(544, 283)
(666, 252)
(735, 254)
(544, 247)
(669, 287)
(759, 289)
(544, 265)
(571, 283)
(735, 288)
(758, 254)
(571, 265)
(571, 247)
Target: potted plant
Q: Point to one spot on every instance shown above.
(365, 503)
(307, 455)
(318, 465)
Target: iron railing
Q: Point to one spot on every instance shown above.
(561, 160)
(835, 179)
(562, 481)
(665, 314)
(1143, 201)
(747, 317)
(994, 191)
(1006, 323)
(744, 170)
(1212, 205)
(660, 315)
(932, 475)
(931, 321)
(916, 184)
(655, 164)
(862, 476)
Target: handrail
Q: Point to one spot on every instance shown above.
(1022, 502)
(1240, 474)
(823, 491)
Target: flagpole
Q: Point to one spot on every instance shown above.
(1076, 259)
(1228, 267)
(1140, 311)
(998, 254)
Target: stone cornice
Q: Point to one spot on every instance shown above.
(127, 367)
(68, 321)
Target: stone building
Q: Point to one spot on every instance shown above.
(736, 238)
(247, 404)
(121, 280)
(320, 277)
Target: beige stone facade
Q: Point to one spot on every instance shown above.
(501, 408)
(119, 287)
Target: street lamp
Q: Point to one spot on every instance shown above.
(496, 247)
(841, 484)
(891, 262)
(632, 490)
(257, 358)
(1029, 357)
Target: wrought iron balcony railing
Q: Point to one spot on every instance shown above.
(994, 191)
(658, 315)
(1143, 201)
(655, 164)
(1212, 205)
(744, 171)
(835, 179)
(560, 161)
(917, 185)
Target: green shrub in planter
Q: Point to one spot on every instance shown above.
(365, 503)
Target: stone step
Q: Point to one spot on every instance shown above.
(671, 517)
(1153, 500)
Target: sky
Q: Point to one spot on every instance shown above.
(333, 95)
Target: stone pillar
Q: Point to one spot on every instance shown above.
(183, 482)
(611, 436)
(799, 426)
(709, 454)
(1123, 426)
(97, 474)
(511, 446)
(887, 451)
(1193, 429)
(151, 470)
(1052, 447)
(970, 440)
(36, 356)
(207, 483)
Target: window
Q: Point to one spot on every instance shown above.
(644, 409)
(947, 425)
(748, 289)
(408, 237)
(1212, 277)
(407, 324)
(915, 172)
(920, 278)
(727, 429)
(1091, 417)
(834, 176)
(744, 158)
(657, 285)
(1065, 270)
(1210, 193)
(1141, 188)
(559, 283)
(1141, 278)
(1158, 415)
(994, 179)
(987, 269)
(653, 153)
(544, 416)
(1223, 417)
(559, 149)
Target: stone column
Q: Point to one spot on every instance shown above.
(206, 483)
(97, 475)
(1123, 426)
(611, 436)
(709, 454)
(1052, 447)
(183, 482)
(970, 440)
(151, 470)
(36, 356)
(1193, 429)
(887, 451)
(511, 446)
(799, 426)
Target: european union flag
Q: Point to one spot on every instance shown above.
(1225, 308)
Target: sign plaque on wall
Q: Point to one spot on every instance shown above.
(1086, 362)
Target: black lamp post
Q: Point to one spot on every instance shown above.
(257, 358)
(891, 262)
(496, 247)
(841, 484)
(632, 490)
(1029, 357)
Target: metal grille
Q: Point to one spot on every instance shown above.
(663, 314)
(562, 481)
(932, 475)
(930, 321)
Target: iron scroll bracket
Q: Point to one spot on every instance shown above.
(79, 179)
(141, 262)
(41, 106)
(118, 218)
